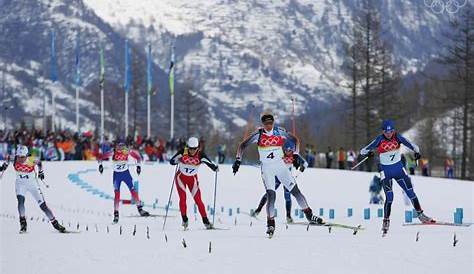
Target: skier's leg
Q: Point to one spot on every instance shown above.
(21, 205)
(387, 188)
(181, 188)
(196, 193)
(117, 181)
(271, 197)
(407, 186)
(263, 201)
(128, 180)
(287, 195)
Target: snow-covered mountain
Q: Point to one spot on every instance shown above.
(238, 54)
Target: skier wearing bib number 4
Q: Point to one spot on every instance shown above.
(26, 181)
(120, 157)
(391, 167)
(188, 160)
(270, 141)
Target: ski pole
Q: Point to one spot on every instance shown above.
(45, 184)
(169, 199)
(215, 192)
(363, 160)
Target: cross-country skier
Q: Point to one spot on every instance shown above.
(391, 167)
(291, 161)
(26, 181)
(188, 160)
(120, 156)
(270, 141)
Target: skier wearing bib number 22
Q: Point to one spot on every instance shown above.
(189, 160)
(391, 167)
(122, 174)
(270, 141)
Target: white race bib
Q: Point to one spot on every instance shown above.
(390, 157)
(188, 170)
(120, 166)
(270, 154)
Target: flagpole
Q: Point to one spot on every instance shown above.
(171, 84)
(78, 75)
(148, 98)
(126, 84)
(53, 78)
(101, 83)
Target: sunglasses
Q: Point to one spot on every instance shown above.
(268, 123)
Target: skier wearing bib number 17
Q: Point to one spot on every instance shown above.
(270, 141)
(391, 167)
(189, 160)
(122, 174)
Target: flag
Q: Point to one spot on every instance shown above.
(127, 75)
(171, 72)
(149, 71)
(54, 74)
(78, 70)
(102, 69)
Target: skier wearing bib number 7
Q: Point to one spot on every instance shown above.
(189, 160)
(270, 141)
(120, 156)
(391, 167)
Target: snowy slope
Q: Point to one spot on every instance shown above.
(243, 248)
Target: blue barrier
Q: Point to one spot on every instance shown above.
(331, 213)
(238, 210)
(366, 213)
(301, 214)
(349, 212)
(380, 212)
(408, 216)
(230, 211)
(321, 211)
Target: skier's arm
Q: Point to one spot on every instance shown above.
(40, 169)
(290, 137)
(408, 144)
(253, 138)
(176, 157)
(136, 155)
(373, 145)
(208, 162)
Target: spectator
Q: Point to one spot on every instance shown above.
(221, 150)
(411, 164)
(425, 167)
(449, 168)
(329, 157)
(310, 158)
(341, 158)
(351, 158)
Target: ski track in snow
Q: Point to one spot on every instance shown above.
(243, 248)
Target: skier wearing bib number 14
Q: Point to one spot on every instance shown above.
(391, 167)
(122, 174)
(189, 160)
(270, 141)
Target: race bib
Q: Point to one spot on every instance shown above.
(270, 154)
(188, 170)
(120, 166)
(390, 157)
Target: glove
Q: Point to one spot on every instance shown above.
(417, 156)
(296, 161)
(302, 168)
(370, 154)
(235, 166)
(41, 175)
(215, 168)
(139, 170)
(101, 169)
(3, 167)
(173, 162)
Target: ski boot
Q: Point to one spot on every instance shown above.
(425, 219)
(22, 224)
(116, 217)
(270, 227)
(185, 223)
(207, 224)
(58, 227)
(385, 226)
(254, 213)
(312, 219)
(289, 220)
(142, 212)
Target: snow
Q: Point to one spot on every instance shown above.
(243, 248)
